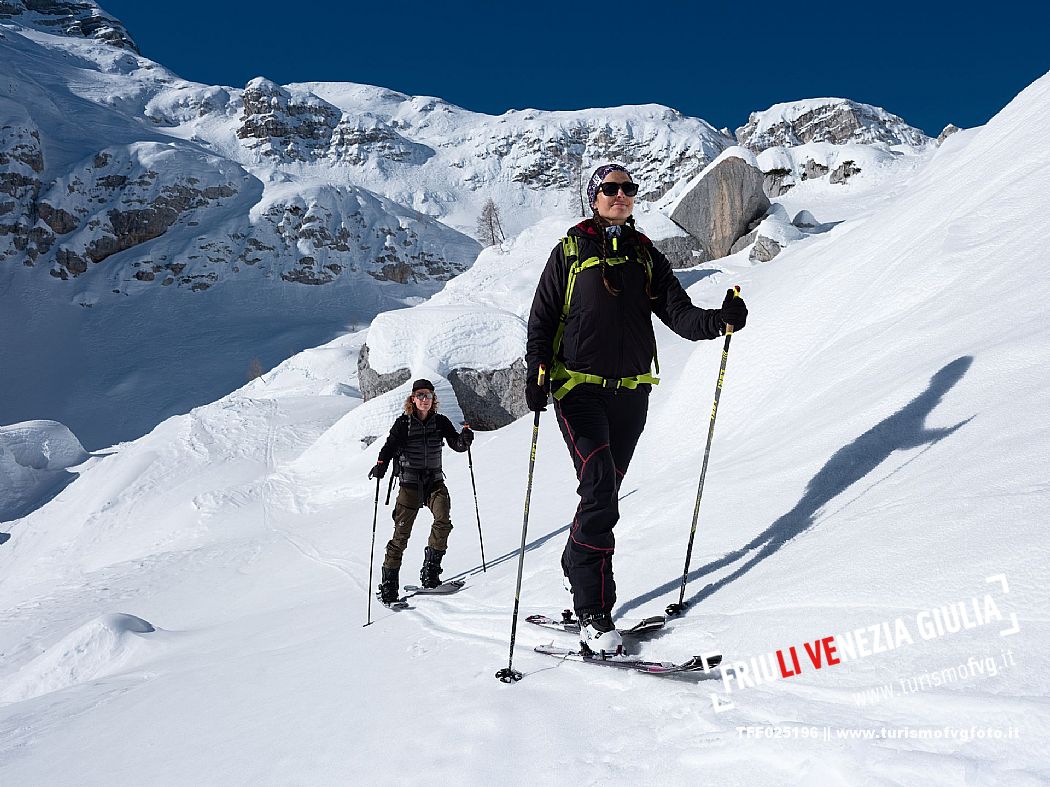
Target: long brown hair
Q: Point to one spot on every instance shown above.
(410, 407)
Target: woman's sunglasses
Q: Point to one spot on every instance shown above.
(609, 189)
(423, 396)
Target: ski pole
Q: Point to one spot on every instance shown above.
(508, 674)
(371, 555)
(477, 511)
(389, 487)
(679, 608)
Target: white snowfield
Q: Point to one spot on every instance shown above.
(878, 476)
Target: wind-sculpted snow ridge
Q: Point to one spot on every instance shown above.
(106, 646)
(34, 456)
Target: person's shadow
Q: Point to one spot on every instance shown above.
(903, 430)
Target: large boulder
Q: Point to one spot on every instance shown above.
(764, 249)
(682, 251)
(680, 248)
(372, 383)
(721, 204)
(493, 398)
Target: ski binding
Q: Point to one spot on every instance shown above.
(569, 623)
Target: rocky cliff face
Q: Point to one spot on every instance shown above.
(834, 120)
(68, 17)
(283, 125)
(21, 165)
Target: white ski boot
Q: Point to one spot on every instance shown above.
(599, 636)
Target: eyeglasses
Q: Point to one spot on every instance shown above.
(609, 189)
(423, 397)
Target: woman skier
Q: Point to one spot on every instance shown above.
(416, 439)
(591, 328)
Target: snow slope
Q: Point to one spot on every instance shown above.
(880, 452)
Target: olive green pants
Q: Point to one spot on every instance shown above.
(405, 510)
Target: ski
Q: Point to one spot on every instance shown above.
(569, 624)
(395, 606)
(452, 586)
(695, 664)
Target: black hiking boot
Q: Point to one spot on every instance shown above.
(430, 574)
(388, 588)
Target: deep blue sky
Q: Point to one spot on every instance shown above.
(930, 63)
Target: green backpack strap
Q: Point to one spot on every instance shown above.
(571, 252)
(570, 249)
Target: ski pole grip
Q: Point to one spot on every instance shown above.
(733, 293)
(541, 375)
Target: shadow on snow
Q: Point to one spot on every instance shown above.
(903, 430)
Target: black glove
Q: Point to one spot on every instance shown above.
(466, 436)
(536, 394)
(733, 311)
(378, 471)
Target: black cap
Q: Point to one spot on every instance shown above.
(421, 383)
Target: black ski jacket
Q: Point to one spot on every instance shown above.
(418, 443)
(611, 335)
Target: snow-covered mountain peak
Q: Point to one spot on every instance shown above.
(835, 120)
(77, 18)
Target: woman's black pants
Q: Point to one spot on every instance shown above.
(601, 427)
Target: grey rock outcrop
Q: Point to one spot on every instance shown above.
(358, 140)
(778, 181)
(813, 169)
(278, 124)
(744, 241)
(722, 205)
(764, 249)
(490, 399)
(844, 171)
(834, 120)
(948, 130)
(21, 162)
(372, 383)
(116, 200)
(136, 197)
(682, 251)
